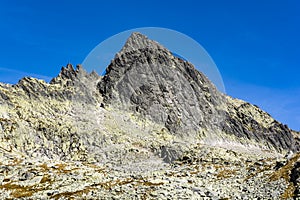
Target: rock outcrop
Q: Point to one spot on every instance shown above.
(152, 128)
(145, 78)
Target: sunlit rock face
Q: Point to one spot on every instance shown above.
(153, 127)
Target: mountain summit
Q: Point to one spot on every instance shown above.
(145, 78)
(152, 127)
(138, 41)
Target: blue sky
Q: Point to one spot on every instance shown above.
(255, 44)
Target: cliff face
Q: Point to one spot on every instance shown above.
(145, 78)
(151, 113)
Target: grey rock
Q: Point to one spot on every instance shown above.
(295, 178)
(145, 78)
(153, 125)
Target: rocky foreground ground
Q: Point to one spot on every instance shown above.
(215, 173)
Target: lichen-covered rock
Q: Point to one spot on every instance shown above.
(152, 127)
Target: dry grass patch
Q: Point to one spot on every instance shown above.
(18, 191)
(226, 173)
(72, 195)
(258, 171)
(284, 173)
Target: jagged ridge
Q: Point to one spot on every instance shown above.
(152, 115)
(147, 79)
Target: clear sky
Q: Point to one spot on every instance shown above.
(255, 44)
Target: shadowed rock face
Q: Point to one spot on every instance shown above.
(145, 78)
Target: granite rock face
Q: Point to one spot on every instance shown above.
(145, 78)
(152, 128)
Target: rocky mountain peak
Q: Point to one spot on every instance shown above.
(69, 73)
(152, 127)
(79, 76)
(144, 78)
(138, 41)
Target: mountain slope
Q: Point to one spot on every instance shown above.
(145, 78)
(153, 123)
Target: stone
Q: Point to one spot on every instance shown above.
(141, 79)
(152, 127)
